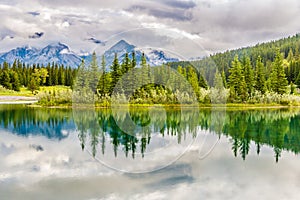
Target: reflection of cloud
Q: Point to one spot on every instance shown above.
(63, 167)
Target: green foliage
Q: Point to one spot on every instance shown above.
(237, 82)
(277, 79)
(278, 62)
(15, 82)
(260, 82)
(115, 72)
(249, 76)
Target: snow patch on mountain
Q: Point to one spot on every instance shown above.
(60, 53)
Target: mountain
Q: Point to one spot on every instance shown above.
(61, 54)
(22, 53)
(120, 48)
(58, 53)
(154, 57)
(158, 57)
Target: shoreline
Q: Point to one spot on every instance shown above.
(11, 99)
(172, 106)
(33, 102)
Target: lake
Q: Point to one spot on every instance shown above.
(149, 153)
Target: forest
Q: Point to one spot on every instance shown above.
(266, 73)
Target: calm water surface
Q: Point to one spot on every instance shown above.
(149, 154)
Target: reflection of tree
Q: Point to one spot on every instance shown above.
(275, 128)
(279, 129)
(25, 121)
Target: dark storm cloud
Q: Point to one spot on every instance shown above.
(36, 35)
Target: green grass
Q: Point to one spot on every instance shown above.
(23, 92)
(53, 88)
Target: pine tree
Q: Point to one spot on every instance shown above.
(33, 85)
(202, 82)
(144, 70)
(237, 80)
(193, 80)
(126, 65)
(224, 79)
(94, 73)
(218, 82)
(104, 81)
(260, 81)
(115, 72)
(277, 78)
(249, 76)
(5, 76)
(15, 83)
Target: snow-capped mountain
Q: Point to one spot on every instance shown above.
(154, 57)
(58, 53)
(21, 53)
(61, 54)
(158, 57)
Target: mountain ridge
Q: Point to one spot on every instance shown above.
(60, 53)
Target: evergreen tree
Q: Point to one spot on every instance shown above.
(237, 80)
(94, 73)
(104, 81)
(15, 83)
(145, 78)
(260, 81)
(5, 76)
(193, 80)
(218, 81)
(277, 78)
(249, 76)
(33, 85)
(224, 79)
(126, 65)
(202, 82)
(115, 72)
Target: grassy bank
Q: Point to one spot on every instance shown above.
(61, 96)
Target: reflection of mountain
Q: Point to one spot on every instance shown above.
(24, 121)
(278, 129)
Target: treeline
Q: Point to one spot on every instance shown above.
(289, 47)
(13, 76)
(137, 83)
(265, 73)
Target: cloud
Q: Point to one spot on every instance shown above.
(180, 16)
(96, 41)
(216, 25)
(180, 4)
(34, 13)
(36, 35)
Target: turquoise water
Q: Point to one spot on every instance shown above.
(153, 153)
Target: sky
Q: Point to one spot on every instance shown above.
(184, 27)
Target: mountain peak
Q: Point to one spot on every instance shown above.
(58, 45)
(121, 46)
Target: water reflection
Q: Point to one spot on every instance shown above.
(27, 121)
(97, 130)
